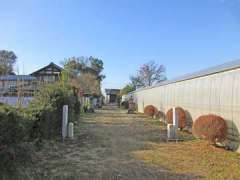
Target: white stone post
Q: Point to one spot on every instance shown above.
(175, 121)
(107, 99)
(175, 118)
(71, 130)
(170, 132)
(65, 121)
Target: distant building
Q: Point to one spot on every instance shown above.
(112, 95)
(14, 86)
(48, 74)
(10, 84)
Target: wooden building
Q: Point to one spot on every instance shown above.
(14, 86)
(48, 74)
(28, 84)
(11, 84)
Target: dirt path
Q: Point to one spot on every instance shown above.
(104, 149)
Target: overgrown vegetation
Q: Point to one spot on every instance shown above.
(46, 110)
(14, 138)
(85, 73)
(19, 128)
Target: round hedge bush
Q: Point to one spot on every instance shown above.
(181, 115)
(150, 110)
(210, 127)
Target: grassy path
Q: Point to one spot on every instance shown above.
(111, 145)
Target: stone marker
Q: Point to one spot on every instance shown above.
(170, 131)
(70, 130)
(175, 118)
(175, 122)
(65, 121)
(173, 128)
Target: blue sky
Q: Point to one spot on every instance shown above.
(184, 35)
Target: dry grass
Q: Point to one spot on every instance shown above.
(113, 145)
(195, 157)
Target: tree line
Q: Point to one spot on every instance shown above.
(7, 61)
(84, 73)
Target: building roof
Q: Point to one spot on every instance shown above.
(49, 65)
(206, 72)
(17, 77)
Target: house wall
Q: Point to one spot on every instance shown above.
(48, 78)
(10, 86)
(48, 75)
(13, 101)
(7, 84)
(213, 94)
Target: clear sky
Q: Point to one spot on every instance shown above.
(184, 35)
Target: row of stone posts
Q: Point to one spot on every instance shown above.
(68, 128)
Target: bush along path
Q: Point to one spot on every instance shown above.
(24, 130)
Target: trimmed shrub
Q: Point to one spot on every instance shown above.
(150, 110)
(181, 117)
(210, 127)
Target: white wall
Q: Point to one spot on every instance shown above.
(12, 101)
(214, 94)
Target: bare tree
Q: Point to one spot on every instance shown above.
(148, 75)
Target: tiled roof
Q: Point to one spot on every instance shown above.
(51, 64)
(17, 77)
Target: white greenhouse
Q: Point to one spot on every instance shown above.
(212, 91)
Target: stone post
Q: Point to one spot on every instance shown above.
(70, 130)
(175, 122)
(170, 132)
(65, 121)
